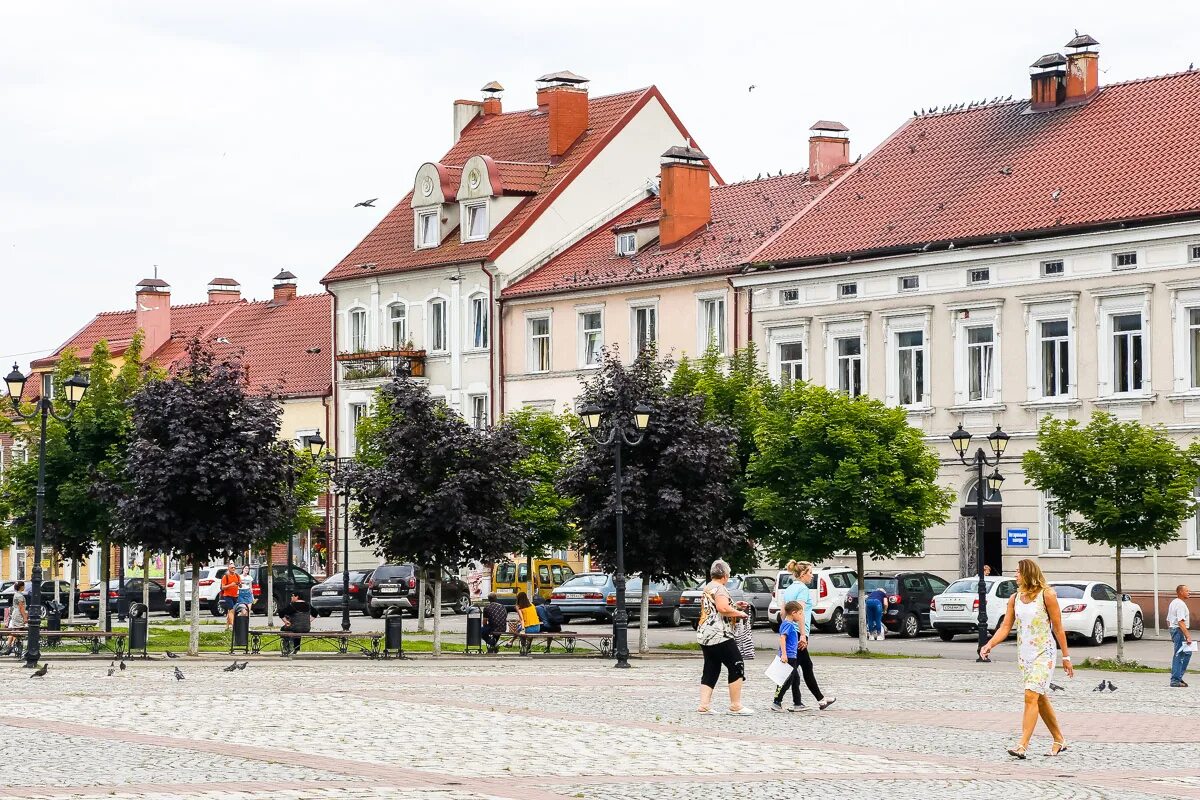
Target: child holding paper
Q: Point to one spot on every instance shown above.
(790, 637)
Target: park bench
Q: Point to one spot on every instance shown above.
(567, 640)
(95, 638)
(343, 640)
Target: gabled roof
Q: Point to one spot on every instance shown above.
(1132, 154)
(743, 216)
(518, 141)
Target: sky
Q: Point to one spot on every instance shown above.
(233, 139)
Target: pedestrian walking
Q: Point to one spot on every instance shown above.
(800, 592)
(18, 617)
(789, 648)
(715, 634)
(495, 623)
(1035, 611)
(245, 596)
(230, 585)
(297, 618)
(876, 604)
(527, 614)
(1178, 622)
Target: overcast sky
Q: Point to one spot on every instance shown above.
(233, 138)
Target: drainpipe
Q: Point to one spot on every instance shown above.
(332, 439)
(736, 318)
(495, 404)
(749, 315)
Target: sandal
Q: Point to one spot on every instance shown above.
(703, 710)
(1057, 749)
(1017, 752)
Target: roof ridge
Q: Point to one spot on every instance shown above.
(591, 97)
(803, 172)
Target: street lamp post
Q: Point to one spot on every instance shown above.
(333, 473)
(75, 386)
(619, 434)
(998, 441)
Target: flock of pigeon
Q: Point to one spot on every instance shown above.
(113, 666)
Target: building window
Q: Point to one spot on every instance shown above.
(438, 328)
(849, 365)
(1056, 358)
(1053, 267)
(479, 322)
(791, 363)
(1125, 260)
(980, 367)
(477, 408)
(712, 323)
(1127, 352)
(910, 362)
(626, 244)
(788, 297)
(1056, 539)
(846, 291)
(357, 412)
(1193, 526)
(645, 328)
(428, 233)
(358, 330)
(1194, 252)
(591, 338)
(982, 275)
(1194, 346)
(398, 316)
(909, 283)
(48, 385)
(539, 344)
(475, 226)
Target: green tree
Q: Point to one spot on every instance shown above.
(307, 482)
(1120, 484)
(839, 474)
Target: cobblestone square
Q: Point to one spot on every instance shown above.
(572, 728)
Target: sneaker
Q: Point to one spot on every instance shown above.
(1183, 684)
(800, 707)
(827, 702)
(777, 707)
(741, 712)
(1178, 685)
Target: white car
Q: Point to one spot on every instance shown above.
(210, 587)
(956, 610)
(1089, 610)
(829, 586)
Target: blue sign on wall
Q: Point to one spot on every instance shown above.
(1018, 537)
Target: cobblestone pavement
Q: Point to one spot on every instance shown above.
(535, 729)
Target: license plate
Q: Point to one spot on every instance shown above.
(329, 593)
(954, 607)
(388, 589)
(505, 591)
(573, 596)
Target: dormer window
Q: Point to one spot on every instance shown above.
(475, 222)
(626, 244)
(428, 234)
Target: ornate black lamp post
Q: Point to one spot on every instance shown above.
(75, 386)
(998, 440)
(608, 428)
(333, 474)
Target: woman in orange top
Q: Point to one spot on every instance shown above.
(530, 623)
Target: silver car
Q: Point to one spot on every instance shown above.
(753, 591)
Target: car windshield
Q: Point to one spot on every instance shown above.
(506, 573)
(889, 585)
(590, 581)
(392, 571)
(1070, 591)
(966, 586)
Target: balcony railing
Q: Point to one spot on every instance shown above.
(381, 365)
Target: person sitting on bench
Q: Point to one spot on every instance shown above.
(495, 623)
(528, 615)
(297, 618)
(551, 616)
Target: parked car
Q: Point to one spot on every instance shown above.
(327, 595)
(64, 594)
(398, 587)
(302, 583)
(180, 584)
(755, 591)
(89, 599)
(509, 578)
(664, 601)
(585, 596)
(829, 585)
(909, 596)
(1089, 611)
(956, 610)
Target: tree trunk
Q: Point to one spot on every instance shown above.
(529, 575)
(422, 585)
(146, 580)
(437, 614)
(271, 591)
(1120, 612)
(193, 647)
(103, 583)
(53, 576)
(644, 619)
(862, 602)
(74, 588)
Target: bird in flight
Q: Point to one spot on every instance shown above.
(751, 89)
(367, 203)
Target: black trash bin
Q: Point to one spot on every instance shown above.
(138, 628)
(474, 630)
(241, 633)
(53, 616)
(393, 635)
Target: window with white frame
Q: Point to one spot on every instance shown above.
(478, 317)
(48, 385)
(591, 337)
(910, 366)
(1055, 538)
(980, 275)
(357, 332)
(475, 222)
(645, 328)
(1127, 352)
(439, 327)
(791, 363)
(1054, 354)
(626, 244)
(1126, 260)
(847, 291)
(712, 323)
(1193, 347)
(789, 297)
(849, 365)
(357, 412)
(980, 363)
(1053, 267)
(398, 319)
(1194, 252)
(908, 283)
(539, 343)
(428, 233)
(477, 411)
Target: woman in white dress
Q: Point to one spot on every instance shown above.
(1034, 609)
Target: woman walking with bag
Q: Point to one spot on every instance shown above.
(716, 637)
(800, 593)
(1034, 610)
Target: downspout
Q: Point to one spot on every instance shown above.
(496, 404)
(331, 438)
(749, 316)
(736, 315)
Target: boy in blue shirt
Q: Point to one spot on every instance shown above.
(789, 649)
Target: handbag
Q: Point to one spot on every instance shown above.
(744, 634)
(712, 628)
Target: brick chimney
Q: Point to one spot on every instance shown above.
(285, 288)
(1083, 69)
(491, 99)
(153, 313)
(828, 148)
(224, 290)
(685, 195)
(563, 95)
(464, 112)
(1046, 82)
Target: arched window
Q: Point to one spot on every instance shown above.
(989, 498)
(398, 317)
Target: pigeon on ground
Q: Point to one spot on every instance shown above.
(172, 655)
(1099, 688)
(178, 674)
(242, 665)
(367, 203)
(40, 672)
(122, 665)
(1111, 688)
(112, 671)
(1054, 687)
(231, 667)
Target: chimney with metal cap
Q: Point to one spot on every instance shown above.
(491, 98)
(1046, 78)
(152, 314)
(224, 290)
(285, 288)
(828, 148)
(1083, 69)
(685, 194)
(564, 96)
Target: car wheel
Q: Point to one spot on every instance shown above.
(94, 614)
(775, 627)
(1097, 637)
(837, 623)
(215, 608)
(695, 624)
(911, 626)
(325, 612)
(376, 613)
(1139, 628)
(464, 604)
(851, 630)
(947, 636)
(671, 621)
(429, 606)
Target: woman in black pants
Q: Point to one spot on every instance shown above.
(799, 592)
(715, 634)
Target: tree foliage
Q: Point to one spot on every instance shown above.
(544, 514)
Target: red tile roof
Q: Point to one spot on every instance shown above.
(743, 216)
(1132, 153)
(520, 138)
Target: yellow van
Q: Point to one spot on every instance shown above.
(509, 578)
